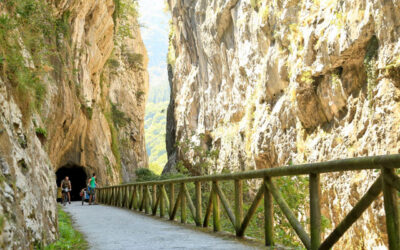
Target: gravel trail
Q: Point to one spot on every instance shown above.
(112, 228)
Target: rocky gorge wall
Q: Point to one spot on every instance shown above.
(271, 83)
(73, 88)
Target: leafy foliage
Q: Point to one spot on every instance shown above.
(370, 67)
(118, 117)
(171, 48)
(145, 174)
(114, 64)
(114, 139)
(159, 93)
(155, 123)
(124, 10)
(135, 60)
(203, 158)
(295, 192)
(29, 37)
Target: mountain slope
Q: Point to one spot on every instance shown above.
(155, 123)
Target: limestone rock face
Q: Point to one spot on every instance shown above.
(271, 83)
(91, 115)
(28, 211)
(101, 126)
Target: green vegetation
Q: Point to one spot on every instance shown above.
(22, 141)
(294, 189)
(306, 77)
(392, 70)
(171, 49)
(1, 218)
(108, 167)
(114, 139)
(204, 157)
(335, 75)
(145, 174)
(88, 111)
(159, 94)
(139, 95)
(155, 123)
(115, 146)
(135, 60)
(370, 67)
(255, 4)
(118, 117)
(28, 39)
(124, 10)
(155, 126)
(113, 63)
(117, 11)
(69, 237)
(41, 132)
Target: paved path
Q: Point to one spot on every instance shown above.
(115, 228)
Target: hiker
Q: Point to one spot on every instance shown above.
(66, 185)
(92, 188)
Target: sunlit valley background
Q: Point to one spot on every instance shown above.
(154, 19)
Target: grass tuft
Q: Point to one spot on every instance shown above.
(69, 237)
(41, 132)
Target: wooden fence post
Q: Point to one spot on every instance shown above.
(183, 203)
(198, 204)
(172, 198)
(315, 211)
(391, 210)
(147, 202)
(160, 193)
(268, 215)
(154, 195)
(238, 205)
(216, 215)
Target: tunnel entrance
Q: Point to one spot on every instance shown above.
(77, 176)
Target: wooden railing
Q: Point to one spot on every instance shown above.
(152, 197)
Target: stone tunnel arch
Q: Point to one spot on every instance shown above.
(78, 177)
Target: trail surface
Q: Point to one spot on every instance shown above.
(112, 228)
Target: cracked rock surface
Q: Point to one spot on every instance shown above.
(272, 83)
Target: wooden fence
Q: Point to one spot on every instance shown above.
(152, 197)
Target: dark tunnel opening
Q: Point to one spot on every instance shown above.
(78, 177)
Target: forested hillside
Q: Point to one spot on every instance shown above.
(159, 93)
(155, 122)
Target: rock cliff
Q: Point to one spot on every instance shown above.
(73, 88)
(269, 83)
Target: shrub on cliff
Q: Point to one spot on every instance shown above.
(145, 174)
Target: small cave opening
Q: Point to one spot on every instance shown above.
(78, 177)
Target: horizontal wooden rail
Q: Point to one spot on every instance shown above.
(168, 197)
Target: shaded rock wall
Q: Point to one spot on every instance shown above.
(270, 83)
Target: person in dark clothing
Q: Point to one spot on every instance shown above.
(66, 187)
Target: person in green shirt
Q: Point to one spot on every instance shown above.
(92, 188)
